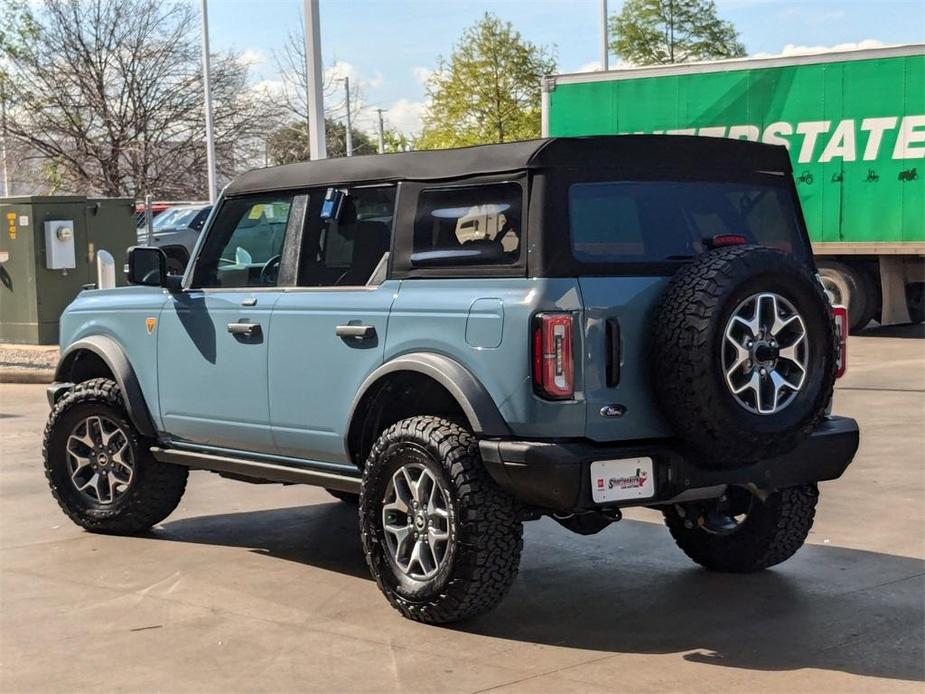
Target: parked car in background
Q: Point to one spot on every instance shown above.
(175, 231)
(156, 209)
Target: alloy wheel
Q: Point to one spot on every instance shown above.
(416, 521)
(765, 353)
(99, 459)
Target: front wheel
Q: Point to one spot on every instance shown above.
(441, 539)
(99, 468)
(740, 533)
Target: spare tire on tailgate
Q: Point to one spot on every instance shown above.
(743, 355)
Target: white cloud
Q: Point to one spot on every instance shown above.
(593, 66)
(376, 80)
(252, 57)
(405, 115)
(275, 89)
(341, 69)
(792, 49)
(422, 74)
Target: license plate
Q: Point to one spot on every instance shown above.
(620, 480)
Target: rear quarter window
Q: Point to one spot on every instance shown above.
(655, 221)
(472, 224)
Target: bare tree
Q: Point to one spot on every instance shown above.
(109, 94)
(289, 141)
(293, 72)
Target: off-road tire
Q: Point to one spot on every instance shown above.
(772, 532)
(486, 527)
(686, 367)
(155, 489)
(347, 497)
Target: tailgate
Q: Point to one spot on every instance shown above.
(625, 303)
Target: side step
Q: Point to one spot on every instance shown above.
(258, 470)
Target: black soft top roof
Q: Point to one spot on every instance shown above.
(628, 152)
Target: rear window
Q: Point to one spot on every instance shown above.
(653, 221)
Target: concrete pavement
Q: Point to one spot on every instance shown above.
(264, 588)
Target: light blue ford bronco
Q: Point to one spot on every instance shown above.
(461, 341)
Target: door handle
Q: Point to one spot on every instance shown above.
(245, 329)
(360, 332)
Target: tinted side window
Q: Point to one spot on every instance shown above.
(345, 252)
(470, 225)
(244, 244)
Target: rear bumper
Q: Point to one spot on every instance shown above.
(556, 476)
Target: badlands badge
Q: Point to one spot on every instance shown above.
(619, 480)
(150, 324)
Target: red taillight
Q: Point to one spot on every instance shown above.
(721, 240)
(841, 327)
(553, 370)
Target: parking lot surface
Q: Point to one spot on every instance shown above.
(264, 588)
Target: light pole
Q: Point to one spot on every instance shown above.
(207, 89)
(381, 133)
(605, 50)
(349, 124)
(316, 141)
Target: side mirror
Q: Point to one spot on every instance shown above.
(147, 266)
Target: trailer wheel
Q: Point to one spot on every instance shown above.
(850, 287)
(915, 300)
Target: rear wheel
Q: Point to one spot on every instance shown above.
(442, 540)
(740, 533)
(99, 468)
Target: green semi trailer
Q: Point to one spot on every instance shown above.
(853, 121)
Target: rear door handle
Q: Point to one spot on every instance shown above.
(360, 332)
(245, 329)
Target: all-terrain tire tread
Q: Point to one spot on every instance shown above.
(681, 331)
(163, 484)
(486, 564)
(772, 533)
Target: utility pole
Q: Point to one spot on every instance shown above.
(316, 141)
(381, 132)
(207, 90)
(605, 49)
(6, 170)
(349, 123)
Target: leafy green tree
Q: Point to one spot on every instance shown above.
(396, 141)
(289, 144)
(489, 89)
(17, 29)
(656, 32)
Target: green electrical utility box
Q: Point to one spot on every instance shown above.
(48, 247)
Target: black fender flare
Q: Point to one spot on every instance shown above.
(474, 400)
(115, 358)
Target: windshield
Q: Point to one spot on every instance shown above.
(652, 221)
(180, 217)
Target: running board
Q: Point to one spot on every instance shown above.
(258, 470)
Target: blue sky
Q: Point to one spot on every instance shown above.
(388, 46)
